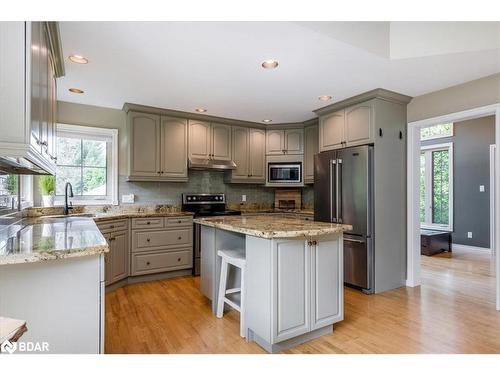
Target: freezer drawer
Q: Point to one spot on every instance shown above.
(356, 263)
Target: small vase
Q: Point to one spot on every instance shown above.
(48, 200)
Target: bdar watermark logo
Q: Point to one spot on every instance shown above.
(25, 347)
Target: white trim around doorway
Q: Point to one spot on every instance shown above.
(413, 195)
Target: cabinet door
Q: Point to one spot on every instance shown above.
(241, 153)
(144, 138)
(331, 131)
(275, 142)
(327, 283)
(359, 124)
(257, 159)
(173, 148)
(107, 261)
(294, 141)
(119, 256)
(36, 106)
(51, 107)
(199, 139)
(44, 92)
(221, 141)
(291, 288)
(311, 136)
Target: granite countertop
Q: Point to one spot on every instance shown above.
(102, 213)
(266, 226)
(32, 240)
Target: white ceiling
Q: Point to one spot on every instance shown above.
(216, 65)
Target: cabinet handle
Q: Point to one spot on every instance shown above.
(315, 242)
(179, 238)
(112, 239)
(148, 222)
(179, 221)
(380, 132)
(178, 259)
(111, 226)
(148, 240)
(147, 263)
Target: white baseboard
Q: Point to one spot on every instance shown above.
(456, 246)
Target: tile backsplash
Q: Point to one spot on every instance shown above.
(202, 182)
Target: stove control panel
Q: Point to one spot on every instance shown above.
(203, 198)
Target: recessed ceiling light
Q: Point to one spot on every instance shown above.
(78, 59)
(76, 91)
(267, 121)
(325, 98)
(201, 110)
(270, 64)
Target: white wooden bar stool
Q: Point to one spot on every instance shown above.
(235, 258)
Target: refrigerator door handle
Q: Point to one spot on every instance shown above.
(333, 175)
(351, 240)
(339, 190)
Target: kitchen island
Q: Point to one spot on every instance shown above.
(52, 277)
(293, 278)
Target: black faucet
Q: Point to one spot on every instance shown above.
(66, 195)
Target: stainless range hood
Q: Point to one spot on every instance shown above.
(211, 164)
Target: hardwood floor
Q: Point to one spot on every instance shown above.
(452, 312)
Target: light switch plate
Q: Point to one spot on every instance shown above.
(469, 234)
(481, 188)
(128, 198)
(244, 198)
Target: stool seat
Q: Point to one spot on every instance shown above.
(236, 258)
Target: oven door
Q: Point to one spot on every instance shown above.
(284, 173)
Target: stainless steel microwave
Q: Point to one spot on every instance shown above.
(284, 173)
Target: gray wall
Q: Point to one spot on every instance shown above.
(471, 143)
(468, 95)
(163, 192)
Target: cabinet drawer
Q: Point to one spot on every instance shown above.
(112, 226)
(153, 222)
(161, 262)
(178, 221)
(144, 241)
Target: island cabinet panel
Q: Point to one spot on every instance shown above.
(173, 148)
(144, 143)
(291, 289)
(326, 290)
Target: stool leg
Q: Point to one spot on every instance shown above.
(243, 328)
(222, 289)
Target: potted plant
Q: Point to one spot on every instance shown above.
(47, 185)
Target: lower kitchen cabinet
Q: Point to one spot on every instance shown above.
(116, 261)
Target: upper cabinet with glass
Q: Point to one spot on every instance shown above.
(31, 62)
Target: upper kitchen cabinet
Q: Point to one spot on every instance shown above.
(209, 140)
(31, 61)
(285, 142)
(199, 139)
(352, 122)
(157, 147)
(311, 143)
(249, 146)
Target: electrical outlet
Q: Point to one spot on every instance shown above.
(469, 234)
(481, 188)
(128, 198)
(244, 198)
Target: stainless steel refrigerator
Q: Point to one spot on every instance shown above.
(343, 193)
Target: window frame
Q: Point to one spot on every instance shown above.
(112, 166)
(428, 224)
(438, 136)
